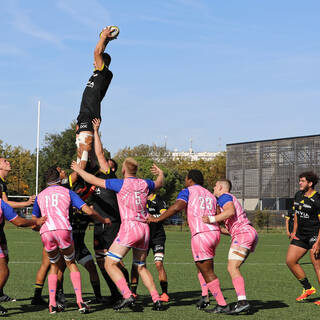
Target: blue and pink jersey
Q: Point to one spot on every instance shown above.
(6, 212)
(239, 219)
(54, 203)
(132, 194)
(200, 202)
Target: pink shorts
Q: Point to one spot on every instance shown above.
(246, 237)
(57, 238)
(3, 250)
(204, 245)
(133, 234)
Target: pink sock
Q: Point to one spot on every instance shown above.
(52, 285)
(203, 285)
(123, 287)
(238, 284)
(76, 282)
(155, 295)
(214, 287)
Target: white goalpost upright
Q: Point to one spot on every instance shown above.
(38, 145)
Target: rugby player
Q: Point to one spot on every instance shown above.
(198, 202)
(155, 207)
(93, 94)
(305, 234)
(6, 211)
(243, 238)
(56, 234)
(106, 204)
(289, 221)
(132, 194)
(5, 168)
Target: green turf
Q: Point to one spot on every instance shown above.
(270, 287)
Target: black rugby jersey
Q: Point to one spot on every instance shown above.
(79, 222)
(93, 94)
(105, 201)
(307, 210)
(155, 207)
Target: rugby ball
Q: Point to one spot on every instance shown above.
(114, 32)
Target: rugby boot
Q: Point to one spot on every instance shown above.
(164, 297)
(306, 293)
(6, 298)
(317, 303)
(3, 311)
(203, 302)
(83, 307)
(219, 309)
(53, 309)
(157, 306)
(241, 306)
(130, 302)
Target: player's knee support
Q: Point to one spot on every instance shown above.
(100, 255)
(235, 254)
(55, 259)
(158, 257)
(83, 138)
(138, 264)
(69, 257)
(114, 256)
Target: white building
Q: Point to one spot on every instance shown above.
(194, 156)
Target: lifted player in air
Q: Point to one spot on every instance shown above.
(106, 204)
(5, 168)
(132, 194)
(93, 94)
(305, 234)
(243, 238)
(54, 203)
(6, 211)
(155, 207)
(198, 202)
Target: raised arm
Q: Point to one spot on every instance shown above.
(98, 148)
(90, 178)
(100, 47)
(17, 205)
(95, 215)
(158, 183)
(178, 206)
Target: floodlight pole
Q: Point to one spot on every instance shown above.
(38, 143)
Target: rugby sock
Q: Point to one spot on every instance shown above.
(96, 288)
(155, 296)
(164, 286)
(203, 285)
(38, 290)
(305, 283)
(133, 287)
(52, 284)
(123, 287)
(76, 282)
(113, 288)
(238, 284)
(125, 273)
(214, 287)
(1, 292)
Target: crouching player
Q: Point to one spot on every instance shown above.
(199, 202)
(56, 233)
(243, 238)
(7, 212)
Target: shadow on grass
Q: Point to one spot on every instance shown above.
(257, 305)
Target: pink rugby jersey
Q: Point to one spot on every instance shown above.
(54, 203)
(7, 212)
(239, 219)
(132, 194)
(201, 202)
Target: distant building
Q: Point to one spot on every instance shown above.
(265, 173)
(194, 156)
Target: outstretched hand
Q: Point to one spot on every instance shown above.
(151, 219)
(205, 219)
(106, 33)
(96, 124)
(75, 167)
(155, 170)
(41, 221)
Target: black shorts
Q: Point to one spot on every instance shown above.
(3, 239)
(104, 235)
(82, 254)
(84, 125)
(305, 242)
(157, 245)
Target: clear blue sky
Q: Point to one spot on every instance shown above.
(217, 71)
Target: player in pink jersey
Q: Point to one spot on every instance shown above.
(243, 236)
(7, 212)
(132, 196)
(199, 202)
(56, 233)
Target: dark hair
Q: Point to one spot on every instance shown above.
(115, 165)
(52, 174)
(106, 59)
(228, 182)
(196, 176)
(310, 177)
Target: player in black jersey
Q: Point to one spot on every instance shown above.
(5, 168)
(155, 207)
(106, 204)
(305, 234)
(93, 94)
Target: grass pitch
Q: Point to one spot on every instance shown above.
(270, 287)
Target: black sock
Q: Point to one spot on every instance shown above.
(1, 292)
(96, 288)
(133, 287)
(113, 288)
(38, 290)
(164, 286)
(126, 274)
(305, 283)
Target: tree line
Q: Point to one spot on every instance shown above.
(60, 149)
